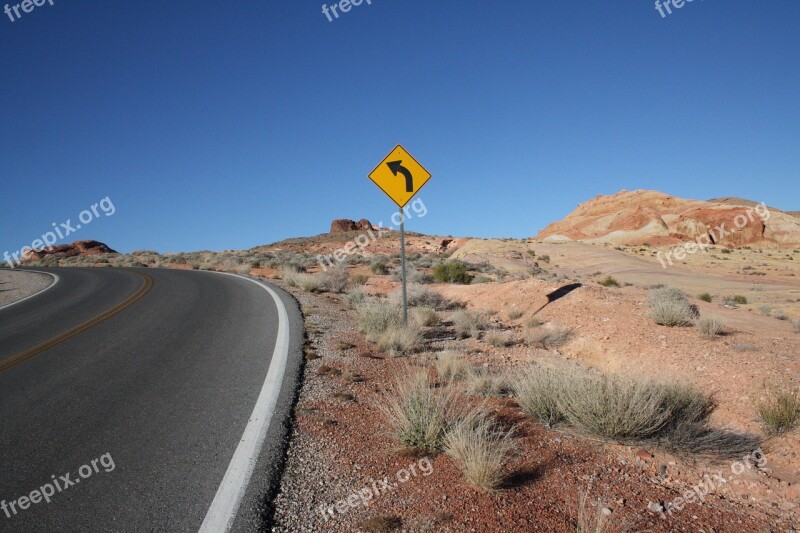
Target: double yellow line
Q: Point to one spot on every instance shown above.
(21, 357)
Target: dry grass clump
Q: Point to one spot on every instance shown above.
(451, 366)
(307, 282)
(374, 318)
(538, 392)
(469, 323)
(710, 326)
(481, 382)
(533, 322)
(515, 314)
(615, 408)
(417, 414)
(426, 316)
(335, 279)
(549, 338)
(400, 339)
(480, 447)
(672, 416)
(431, 419)
(421, 296)
(780, 413)
(797, 326)
(670, 307)
(498, 338)
(356, 297)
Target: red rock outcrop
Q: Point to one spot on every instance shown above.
(345, 224)
(69, 250)
(639, 217)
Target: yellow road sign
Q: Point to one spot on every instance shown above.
(400, 176)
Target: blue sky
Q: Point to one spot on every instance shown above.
(225, 125)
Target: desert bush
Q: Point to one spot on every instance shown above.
(780, 413)
(425, 316)
(538, 392)
(481, 449)
(334, 279)
(380, 268)
(451, 272)
(515, 314)
(548, 338)
(451, 366)
(705, 297)
(710, 326)
(416, 414)
(480, 279)
(797, 326)
(355, 297)
(544, 258)
(481, 382)
(609, 281)
(739, 300)
(400, 339)
(533, 322)
(469, 323)
(781, 315)
(498, 338)
(765, 310)
(374, 318)
(615, 408)
(661, 293)
(670, 307)
(421, 296)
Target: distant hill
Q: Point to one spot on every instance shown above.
(639, 217)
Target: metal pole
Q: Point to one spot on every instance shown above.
(403, 254)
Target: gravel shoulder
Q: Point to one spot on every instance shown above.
(16, 285)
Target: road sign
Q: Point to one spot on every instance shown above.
(400, 176)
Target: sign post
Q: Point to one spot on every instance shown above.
(401, 177)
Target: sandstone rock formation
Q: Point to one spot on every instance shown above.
(639, 217)
(69, 250)
(345, 224)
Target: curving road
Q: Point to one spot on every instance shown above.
(153, 375)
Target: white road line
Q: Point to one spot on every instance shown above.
(55, 277)
(223, 510)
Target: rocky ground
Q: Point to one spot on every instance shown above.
(340, 444)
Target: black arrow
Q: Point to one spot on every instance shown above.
(397, 166)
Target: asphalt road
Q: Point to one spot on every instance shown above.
(155, 380)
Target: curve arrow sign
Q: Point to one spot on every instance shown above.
(397, 166)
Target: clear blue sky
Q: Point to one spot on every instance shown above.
(225, 125)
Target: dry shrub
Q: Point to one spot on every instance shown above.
(670, 307)
(400, 339)
(417, 415)
(550, 337)
(498, 338)
(538, 392)
(710, 326)
(374, 318)
(452, 366)
(480, 447)
(469, 323)
(426, 316)
(780, 413)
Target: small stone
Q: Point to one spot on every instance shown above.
(655, 507)
(644, 454)
(606, 511)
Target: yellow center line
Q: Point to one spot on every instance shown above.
(23, 356)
